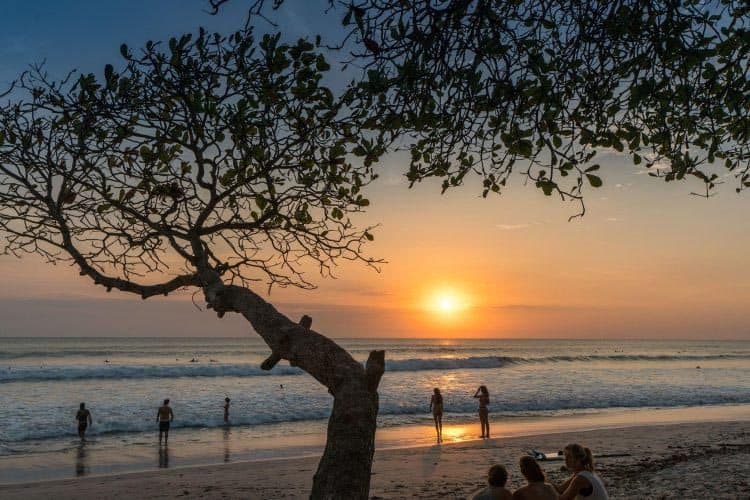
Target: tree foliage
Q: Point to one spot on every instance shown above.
(207, 151)
(540, 87)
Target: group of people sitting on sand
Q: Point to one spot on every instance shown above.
(584, 483)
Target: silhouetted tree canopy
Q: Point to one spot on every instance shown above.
(209, 150)
(539, 87)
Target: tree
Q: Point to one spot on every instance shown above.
(491, 87)
(212, 163)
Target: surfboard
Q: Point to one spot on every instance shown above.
(544, 456)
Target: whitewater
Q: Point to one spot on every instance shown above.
(123, 381)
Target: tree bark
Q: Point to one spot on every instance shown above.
(344, 469)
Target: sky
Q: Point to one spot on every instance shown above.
(648, 260)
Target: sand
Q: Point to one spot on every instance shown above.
(685, 461)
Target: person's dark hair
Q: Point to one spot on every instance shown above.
(531, 470)
(226, 399)
(166, 401)
(436, 390)
(83, 405)
(484, 390)
(497, 476)
(581, 455)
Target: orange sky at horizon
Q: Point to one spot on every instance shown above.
(647, 261)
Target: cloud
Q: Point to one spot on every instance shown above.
(540, 307)
(511, 227)
(656, 167)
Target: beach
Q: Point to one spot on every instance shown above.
(686, 461)
(543, 394)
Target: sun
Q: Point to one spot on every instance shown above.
(447, 302)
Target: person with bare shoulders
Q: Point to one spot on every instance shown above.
(584, 483)
(436, 407)
(484, 412)
(164, 416)
(537, 488)
(497, 477)
(84, 420)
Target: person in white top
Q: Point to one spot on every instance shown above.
(584, 484)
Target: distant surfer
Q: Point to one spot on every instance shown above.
(436, 407)
(484, 412)
(164, 416)
(84, 420)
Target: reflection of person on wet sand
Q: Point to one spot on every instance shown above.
(81, 460)
(436, 407)
(84, 420)
(164, 457)
(164, 416)
(226, 444)
(226, 410)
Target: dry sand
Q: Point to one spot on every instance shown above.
(682, 461)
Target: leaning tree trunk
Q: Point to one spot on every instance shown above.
(344, 469)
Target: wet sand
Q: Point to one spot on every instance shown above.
(702, 460)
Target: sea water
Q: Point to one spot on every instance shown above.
(124, 380)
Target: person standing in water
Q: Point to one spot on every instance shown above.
(436, 407)
(84, 420)
(164, 416)
(484, 412)
(226, 410)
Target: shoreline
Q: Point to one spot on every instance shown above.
(630, 459)
(214, 446)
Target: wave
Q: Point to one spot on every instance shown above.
(419, 364)
(115, 371)
(51, 373)
(391, 413)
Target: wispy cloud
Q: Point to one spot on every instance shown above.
(654, 168)
(541, 307)
(511, 227)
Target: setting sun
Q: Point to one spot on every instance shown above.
(447, 302)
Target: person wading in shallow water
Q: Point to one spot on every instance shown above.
(226, 410)
(164, 416)
(436, 407)
(84, 420)
(484, 412)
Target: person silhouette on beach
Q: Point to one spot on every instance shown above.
(436, 407)
(484, 412)
(536, 488)
(84, 420)
(164, 416)
(497, 478)
(584, 483)
(226, 410)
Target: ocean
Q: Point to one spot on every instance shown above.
(284, 412)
